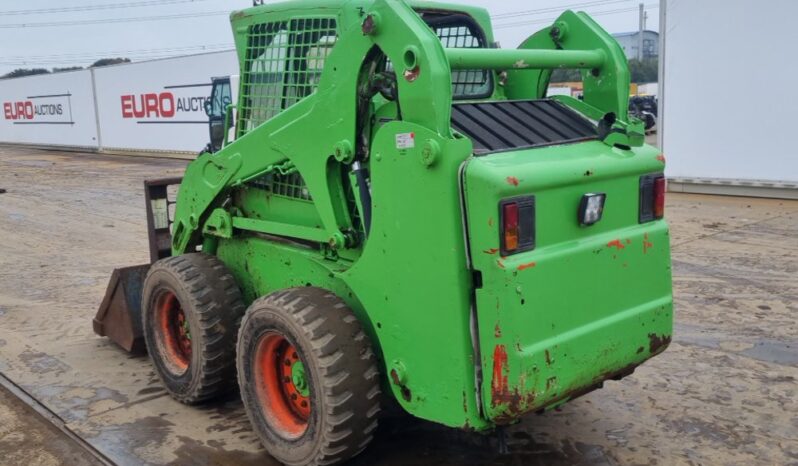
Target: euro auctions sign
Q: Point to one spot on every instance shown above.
(158, 105)
(155, 105)
(51, 109)
(182, 103)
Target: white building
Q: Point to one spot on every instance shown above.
(727, 99)
(629, 42)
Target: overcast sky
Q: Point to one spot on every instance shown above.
(32, 34)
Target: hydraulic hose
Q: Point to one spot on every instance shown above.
(364, 192)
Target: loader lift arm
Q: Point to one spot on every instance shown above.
(399, 32)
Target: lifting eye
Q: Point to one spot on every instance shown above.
(410, 57)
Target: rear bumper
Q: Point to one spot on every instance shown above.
(561, 320)
(577, 362)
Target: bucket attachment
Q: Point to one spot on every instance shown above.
(119, 316)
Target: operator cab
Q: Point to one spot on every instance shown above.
(455, 29)
(216, 109)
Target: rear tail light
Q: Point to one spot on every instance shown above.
(517, 222)
(652, 197)
(659, 197)
(510, 223)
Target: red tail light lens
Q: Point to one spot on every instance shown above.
(659, 197)
(652, 197)
(510, 224)
(517, 221)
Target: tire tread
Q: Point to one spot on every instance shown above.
(350, 376)
(217, 300)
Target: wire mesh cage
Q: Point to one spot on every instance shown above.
(291, 185)
(283, 64)
(465, 83)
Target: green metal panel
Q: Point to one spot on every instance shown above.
(412, 277)
(587, 303)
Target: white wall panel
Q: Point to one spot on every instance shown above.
(52, 109)
(159, 104)
(729, 92)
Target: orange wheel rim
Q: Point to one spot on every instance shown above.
(281, 385)
(174, 332)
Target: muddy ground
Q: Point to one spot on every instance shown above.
(725, 392)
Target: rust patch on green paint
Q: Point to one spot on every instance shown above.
(528, 265)
(498, 385)
(658, 343)
(616, 243)
(646, 243)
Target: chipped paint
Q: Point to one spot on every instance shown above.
(490, 221)
(551, 383)
(512, 180)
(616, 243)
(520, 64)
(548, 358)
(528, 265)
(658, 343)
(491, 251)
(395, 377)
(661, 158)
(498, 385)
(497, 331)
(500, 263)
(646, 243)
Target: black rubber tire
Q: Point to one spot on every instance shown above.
(212, 304)
(341, 368)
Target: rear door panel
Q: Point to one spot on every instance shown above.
(587, 303)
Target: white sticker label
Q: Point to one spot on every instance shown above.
(160, 213)
(405, 140)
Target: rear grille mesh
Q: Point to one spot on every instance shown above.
(508, 125)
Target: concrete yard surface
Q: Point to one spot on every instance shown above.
(31, 439)
(725, 392)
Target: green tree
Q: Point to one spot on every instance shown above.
(19, 72)
(565, 75)
(109, 61)
(644, 71)
(68, 68)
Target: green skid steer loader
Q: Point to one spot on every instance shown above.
(404, 214)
